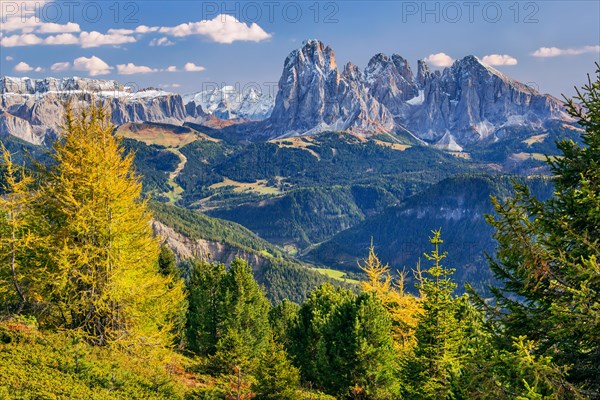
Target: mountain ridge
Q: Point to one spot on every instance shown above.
(453, 109)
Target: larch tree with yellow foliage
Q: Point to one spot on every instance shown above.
(18, 237)
(105, 278)
(402, 307)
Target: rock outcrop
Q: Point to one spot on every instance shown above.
(314, 96)
(465, 104)
(34, 111)
(229, 103)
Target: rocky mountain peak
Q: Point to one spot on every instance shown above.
(313, 54)
(314, 96)
(352, 72)
(402, 66)
(391, 81)
(423, 73)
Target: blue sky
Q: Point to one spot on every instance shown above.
(186, 46)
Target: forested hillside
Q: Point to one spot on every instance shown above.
(457, 205)
(282, 276)
(94, 305)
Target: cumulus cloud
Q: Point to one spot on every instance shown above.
(131, 69)
(62, 39)
(171, 68)
(439, 60)
(38, 69)
(556, 52)
(146, 29)
(51, 27)
(93, 65)
(499, 59)
(191, 67)
(22, 67)
(121, 31)
(8, 58)
(34, 24)
(31, 31)
(60, 66)
(28, 39)
(221, 29)
(95, 39)
(85, 39)
(163, 41)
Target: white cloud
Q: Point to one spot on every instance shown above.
(121, 31)
(93, 65)
(221, 29)
(8, 58)
(60, 66)
(22, 67)
(439, 60)
(34, 24)
(130, 69)
(95, 39)
(38, 69)
(556, 52)
(172, 68)
(85, 39)
(51, 27)
(146, 29)
(31, 31)
(191, 67)
(28, 39)
(163, 41)
(499, 59)
(62, 39)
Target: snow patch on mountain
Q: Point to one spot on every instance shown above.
(228, 103)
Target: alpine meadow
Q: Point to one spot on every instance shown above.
(213, 230)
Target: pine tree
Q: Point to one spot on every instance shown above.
(276, 377)
(104, 277)
(167, 264)
(359, 358)
(547, 259)
(283, 319)
(307, 344)
(437, 362)
(205, 310)
(244, 322)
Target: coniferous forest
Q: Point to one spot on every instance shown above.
(95, 306)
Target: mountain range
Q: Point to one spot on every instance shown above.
(340, 156)
(463, 105)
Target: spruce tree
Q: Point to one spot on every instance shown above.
(276, 377)
(167, 264)
(359, 360)
(205, 310)
(307, 345)
(547, 259)
(243, 326)
(436, 362)
(283, 319)
(104, 277)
